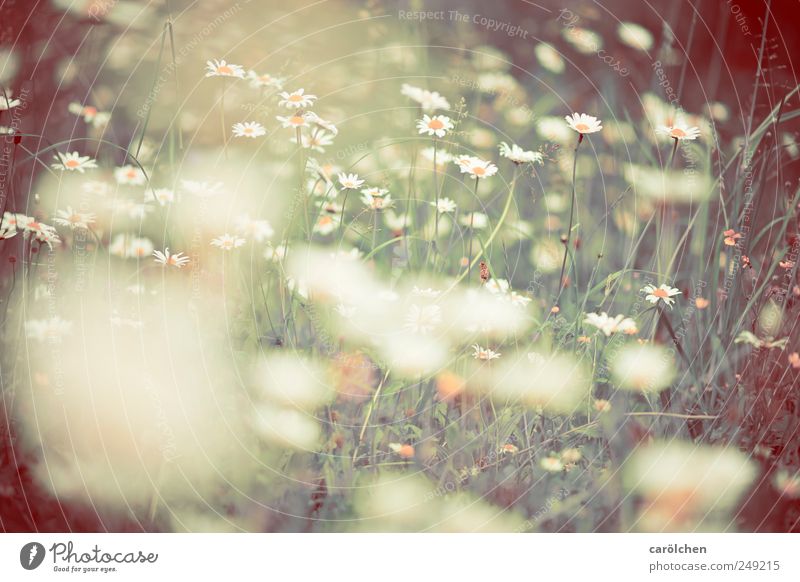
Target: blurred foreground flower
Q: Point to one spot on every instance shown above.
(687, 487)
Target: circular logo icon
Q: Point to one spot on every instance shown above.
(31, 555)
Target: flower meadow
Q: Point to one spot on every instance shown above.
(349, 266)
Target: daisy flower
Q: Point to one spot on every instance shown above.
(264, 80)
(73, 219)
(375, 191)
(437, 125)
(484, 354)
(663, 293)
(258, 230)
(73, 162)
(328, 126)
(377, 202)
(519, 156)
(428, 100)
(129, 175)
(583, 123)
(444, 205)
(90, 114)
(227, 242)
(293, 121)
(679, 132)
(251, 129)
(296, 99)
(326, 224)
(35, 230)
(163, 196)
(317, 142)
(177, 260)
(350, 181)
(222, 68)
(475, 220)
(609, 325)
(475, 166)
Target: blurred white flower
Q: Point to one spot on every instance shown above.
(475, 220)
(635, 36)
(610, 325)
(163, 196)
(428, 100)
(73, 219)
(227, 242)
(519, 156)
(258, 81)
(685, 485)
(423, 319)
(293, 381)
(549, 58)
(221, 68)
(444, 205)
(90, 114)
(294, 121)
(129, 175)
(643, 367)
(258, 230)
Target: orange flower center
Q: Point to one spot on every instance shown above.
(677, 132)
(224, 70)
(660, 293)
(478, 171)
(435, 124)
(295, 98)
(131, 174)
(581, 127)
(325, 220)
(296, 120)
(72, 163)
